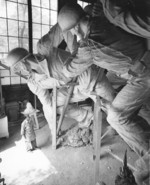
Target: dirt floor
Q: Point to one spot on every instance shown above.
(64, 166)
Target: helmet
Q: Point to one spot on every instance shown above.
(69, 16)
(15, 55)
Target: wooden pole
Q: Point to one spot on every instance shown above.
(30, 32)
(1, 98)
(54, 103)
(30, 26)
(97, 138)
(97, 129)
(70, 91)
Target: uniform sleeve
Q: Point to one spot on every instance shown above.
(42, 94)
(136, 21)
(52, 39)
(76, 64)
(42, 81)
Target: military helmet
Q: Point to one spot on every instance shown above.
(15, 55)
(69, 16)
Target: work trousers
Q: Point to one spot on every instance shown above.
(118, 83)
(123, 112)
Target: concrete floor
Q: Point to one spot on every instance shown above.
(64, 166)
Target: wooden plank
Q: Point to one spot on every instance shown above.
(97, 139)
(54, 103)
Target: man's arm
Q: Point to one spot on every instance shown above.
(43, 81)
(135, 20)
(78, 63)
(42, 94)
(54, 38)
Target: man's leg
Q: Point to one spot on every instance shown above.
(86, 82)
(80, 114)
(122, 114)
(105, 90)
(28, 146)
(118, 83)
(90, 81)
(34, 145)
(46, 101)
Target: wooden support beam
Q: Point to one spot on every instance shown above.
(54, 125)
(97, 138)
(97, 129)
(70, 91)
